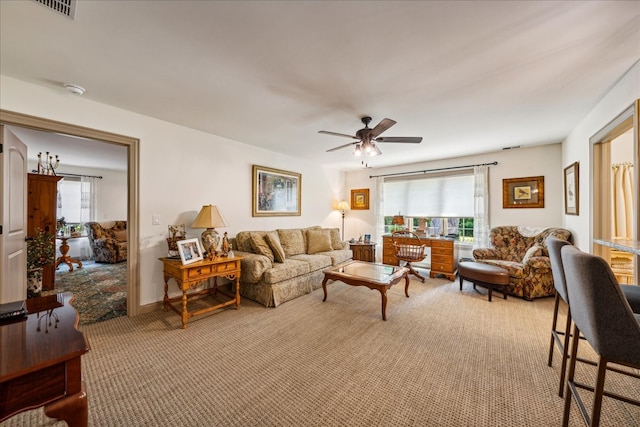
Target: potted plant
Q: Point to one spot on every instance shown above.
(41, 251)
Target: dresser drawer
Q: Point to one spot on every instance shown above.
(441, 259)
(441, 251)
(442, 267)
(205, 270)
(442, 244)
(225, 267)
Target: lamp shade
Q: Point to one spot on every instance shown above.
(209, 217)
(343, 206)
(397, 220)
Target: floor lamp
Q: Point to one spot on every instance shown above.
(343, 206)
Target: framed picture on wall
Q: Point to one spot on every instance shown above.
(523, 192)
(360, 199)
(276, 192)
(572, 189)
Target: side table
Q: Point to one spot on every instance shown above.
(64, 250)
(190, 276)
(364, 251)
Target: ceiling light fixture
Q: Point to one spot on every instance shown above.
(75, 89)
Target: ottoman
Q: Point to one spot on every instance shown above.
(485, 275)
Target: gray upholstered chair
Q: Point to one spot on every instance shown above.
(554, 245)
(600, 312)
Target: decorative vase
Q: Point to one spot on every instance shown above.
(34, 282)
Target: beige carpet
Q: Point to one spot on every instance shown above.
(442, 358)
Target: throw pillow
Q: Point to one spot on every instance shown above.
(292, 241)
(273, 239)
(535, 250)
(318, 241)
(336, 242)
(260, 245)
(120, 235)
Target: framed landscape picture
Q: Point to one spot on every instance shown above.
(523, 192)
(360, 199)
(276, 192)
(571, 189)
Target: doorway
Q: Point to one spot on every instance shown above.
(615, 194)
(132, 145)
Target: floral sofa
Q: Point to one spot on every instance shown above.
(108, 241)
(283, 264)
(523, 252)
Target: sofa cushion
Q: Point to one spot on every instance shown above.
(336, 242)
(292, 241)
(253, 266)
(243, 241)
(338, 256)
(535, 250)
(260, 245)
(316, 262)
(273, 239)
(306, 237)
(282, 271)
(120, 235)
(318, 241)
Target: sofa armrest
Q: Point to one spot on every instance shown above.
(485, 253)
(253, 266)
(539, 263)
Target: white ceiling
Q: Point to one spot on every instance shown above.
(469, 77)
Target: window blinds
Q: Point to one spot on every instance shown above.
(444, 195)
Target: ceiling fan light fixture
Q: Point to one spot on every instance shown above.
(357, 151)
(376, 151)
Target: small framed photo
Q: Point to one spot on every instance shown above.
(523, 192)
(190, 251)
(572, 189)
(360, 199)
(367, 238)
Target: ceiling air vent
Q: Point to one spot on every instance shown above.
(64, 7)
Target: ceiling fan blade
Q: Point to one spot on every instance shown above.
(407, 139)
(342, 146)
(381, 127)
(337, 134)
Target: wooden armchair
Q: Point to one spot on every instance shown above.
(408, 252)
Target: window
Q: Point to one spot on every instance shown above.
(433, 205)
(74, 202)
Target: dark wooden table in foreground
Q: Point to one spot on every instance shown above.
(374, 276)
(40, 361)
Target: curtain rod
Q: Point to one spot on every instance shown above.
(73, 174)
(434, 170)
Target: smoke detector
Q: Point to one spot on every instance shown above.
(74, 89)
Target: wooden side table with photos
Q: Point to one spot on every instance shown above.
(191, 276)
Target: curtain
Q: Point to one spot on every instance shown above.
(379, 215)
(481, 207)
(622, 201)
(87, 199)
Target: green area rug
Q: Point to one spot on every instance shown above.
(99, 290)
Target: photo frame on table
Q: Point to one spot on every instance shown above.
(523, 192)
(367, 238)
(276, 192)
(572, 189)
(360, 199)
(190, 251)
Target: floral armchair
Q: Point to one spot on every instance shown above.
(523, 252)
(108, 241)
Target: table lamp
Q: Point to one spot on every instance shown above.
(210, 217)
(397, 220)
(343, 206)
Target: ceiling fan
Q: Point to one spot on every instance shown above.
(366, 138)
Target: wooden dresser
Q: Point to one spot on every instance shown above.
(444, 254)
(42, 206)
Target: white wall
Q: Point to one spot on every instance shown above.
(180, 170)
(577, 148)
(543, 160)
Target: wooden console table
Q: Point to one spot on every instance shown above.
(40, 363)
(64, 250)
(444, 254)
(190, 276)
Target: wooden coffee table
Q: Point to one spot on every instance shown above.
(374, 276)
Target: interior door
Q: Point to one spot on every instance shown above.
(13, 205)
